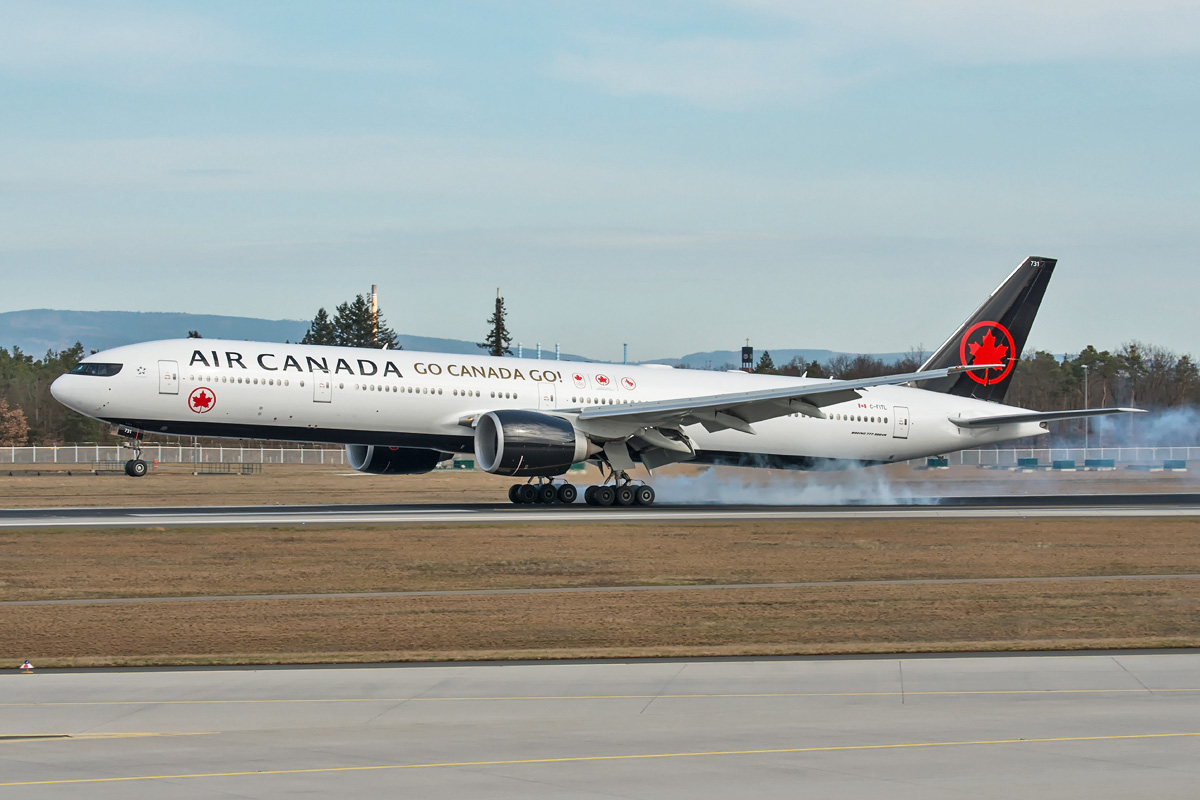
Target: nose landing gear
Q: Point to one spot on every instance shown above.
(134, 467)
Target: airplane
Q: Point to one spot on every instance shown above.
(404, 412)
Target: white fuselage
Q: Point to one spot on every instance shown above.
(402, 398)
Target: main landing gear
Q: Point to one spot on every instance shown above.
(544, 492)
(621, 492)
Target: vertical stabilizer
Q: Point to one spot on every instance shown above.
(994, 334)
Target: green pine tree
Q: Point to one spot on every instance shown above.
(352, 325)
(766, 364)
(498, 338)
(320, 330)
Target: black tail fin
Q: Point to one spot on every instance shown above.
(994, 334)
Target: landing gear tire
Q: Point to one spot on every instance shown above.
(624, 495)
(567, 494)
(514, 493)
(589, 495)
(643, 495)
(527, 493)
(135, 468)
(547, 494)
(604, 495)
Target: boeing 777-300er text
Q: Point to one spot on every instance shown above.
(404, 412)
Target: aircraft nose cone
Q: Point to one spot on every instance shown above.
(62, 391)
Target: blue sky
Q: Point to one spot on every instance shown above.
(676, 175)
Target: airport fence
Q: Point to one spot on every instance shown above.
(172, 454)
(323, 456)
(1045, 455)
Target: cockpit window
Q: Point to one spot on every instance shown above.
(95, 368)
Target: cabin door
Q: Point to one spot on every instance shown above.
(322, 387)
(168, 377)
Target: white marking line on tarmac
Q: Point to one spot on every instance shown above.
(41, 737)
(626, 757)
(590, 697)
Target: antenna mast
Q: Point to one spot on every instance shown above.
(374, 314)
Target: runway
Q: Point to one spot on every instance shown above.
(1097, 726)
(1011, 506)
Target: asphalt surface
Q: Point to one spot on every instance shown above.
(1096, 726)
(1043, 506)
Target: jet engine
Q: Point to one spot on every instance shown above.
(528, 443)
(379, 460)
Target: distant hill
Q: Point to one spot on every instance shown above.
(37, 330)
(732, 359)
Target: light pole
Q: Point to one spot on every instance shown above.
(1085, 407)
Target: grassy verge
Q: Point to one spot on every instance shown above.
(223, 561)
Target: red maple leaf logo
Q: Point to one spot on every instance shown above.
(987, 351)
(201, 400)
(602, 380)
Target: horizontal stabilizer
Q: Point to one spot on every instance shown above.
(1041, 416)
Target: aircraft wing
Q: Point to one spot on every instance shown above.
(1040, 416)
(739, 410)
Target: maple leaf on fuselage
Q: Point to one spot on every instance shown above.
(202, 400)
(987, 351)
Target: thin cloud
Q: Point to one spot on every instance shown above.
(713, 72)
(53, 38)
(147, 46)
(1012, 31)
(817, 48)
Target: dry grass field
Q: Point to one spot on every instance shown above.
(758, 620)
(286, 485)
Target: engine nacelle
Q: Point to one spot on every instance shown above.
(379, 460)
(528, 443)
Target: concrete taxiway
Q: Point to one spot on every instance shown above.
(1042, 506)
(1097, 726)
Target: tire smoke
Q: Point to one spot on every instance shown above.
(737, 486)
